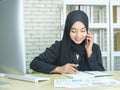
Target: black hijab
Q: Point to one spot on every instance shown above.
(67, 43)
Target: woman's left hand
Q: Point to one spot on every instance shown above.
(89, 44)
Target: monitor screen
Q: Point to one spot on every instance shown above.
(12, 43)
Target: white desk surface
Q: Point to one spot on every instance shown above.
(49, 85)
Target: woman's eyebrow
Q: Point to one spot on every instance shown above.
(83, 28)
(73, 28)
(80, 28)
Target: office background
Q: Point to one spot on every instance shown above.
(42, 24)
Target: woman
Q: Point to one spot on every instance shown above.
(75, 52)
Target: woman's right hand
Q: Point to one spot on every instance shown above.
(67, 68)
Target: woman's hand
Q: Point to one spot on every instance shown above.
(89, 44)
(67, 68)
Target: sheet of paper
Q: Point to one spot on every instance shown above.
(88, 74)
(80, 75)
(98, 73)
(86, 82)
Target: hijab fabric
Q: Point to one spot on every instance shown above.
(67, 43)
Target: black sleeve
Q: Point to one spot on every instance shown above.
(46, 61)
(95, 61)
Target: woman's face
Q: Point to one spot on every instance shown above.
(78, 32)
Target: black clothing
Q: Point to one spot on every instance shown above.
(50, 59)
(64, 51)
(67, 43)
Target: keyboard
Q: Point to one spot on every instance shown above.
(2, 74)
(29, 78)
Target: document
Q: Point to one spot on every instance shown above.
(88, 74)
(85, 82)
(80, 75)
(98, 73)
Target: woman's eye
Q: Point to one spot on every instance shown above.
(73, 31)
(82, 31)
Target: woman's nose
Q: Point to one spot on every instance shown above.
(78, 33)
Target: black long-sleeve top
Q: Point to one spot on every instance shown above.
(50, 59)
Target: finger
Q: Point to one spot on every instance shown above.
(74, 65)
(72, 71)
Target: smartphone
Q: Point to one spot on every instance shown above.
(86, 41)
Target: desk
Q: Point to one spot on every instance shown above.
(49, 85)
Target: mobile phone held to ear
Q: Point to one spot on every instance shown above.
(86, 41)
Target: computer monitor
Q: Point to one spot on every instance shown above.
(12, 43)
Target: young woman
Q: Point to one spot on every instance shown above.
(75, 52)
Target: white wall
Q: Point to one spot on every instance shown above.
(42, 20)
